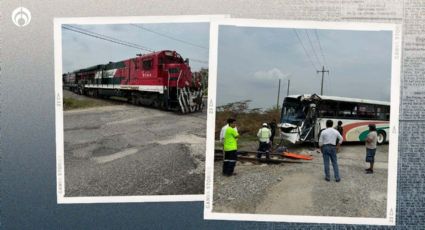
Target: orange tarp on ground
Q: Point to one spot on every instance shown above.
(296, 156)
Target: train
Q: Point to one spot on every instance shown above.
(160, 79)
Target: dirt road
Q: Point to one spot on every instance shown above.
(300, 189)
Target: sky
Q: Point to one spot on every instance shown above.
(251, 60)
(81, 51)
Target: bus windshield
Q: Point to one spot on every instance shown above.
(292, 112)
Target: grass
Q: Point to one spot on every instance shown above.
(248, 121)
(72, 103)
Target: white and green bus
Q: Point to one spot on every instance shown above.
(303, 116)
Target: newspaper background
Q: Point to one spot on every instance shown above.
(23, 115)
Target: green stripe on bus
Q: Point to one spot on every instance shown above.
(364, 134)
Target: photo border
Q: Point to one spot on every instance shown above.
(396, 30)
(60, 171)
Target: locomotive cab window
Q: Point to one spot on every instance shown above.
(136, 64)
(147, 64)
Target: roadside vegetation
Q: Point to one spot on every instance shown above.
(85, 102)
(248, 120)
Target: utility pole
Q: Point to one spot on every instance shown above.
(287, 91)
(278, 95)
(323, 75)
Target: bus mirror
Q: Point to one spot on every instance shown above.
(186, 61)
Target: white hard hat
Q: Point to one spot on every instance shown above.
(264, 124)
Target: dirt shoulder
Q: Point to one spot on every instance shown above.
(300, 189)
(72, 101)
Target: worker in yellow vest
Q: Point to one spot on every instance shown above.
(264, 135)
(230, 147)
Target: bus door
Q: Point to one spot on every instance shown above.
(308, 127)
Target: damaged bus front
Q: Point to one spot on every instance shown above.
(298, 118)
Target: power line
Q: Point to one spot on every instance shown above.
(323, 71)
(169, 37)
(197, 60)
(106, 38)
(305, 50)
(112, 38)
(320, 46)
(115, 40)
(324, 61)
(312, 47)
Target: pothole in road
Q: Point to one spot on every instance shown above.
(183, 139)
(110, 146)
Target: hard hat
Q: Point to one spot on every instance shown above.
(264, 124)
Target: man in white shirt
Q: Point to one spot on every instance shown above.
(264, 135)
(223, 130)
(327, 140)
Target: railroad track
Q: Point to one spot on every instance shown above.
(249, 156)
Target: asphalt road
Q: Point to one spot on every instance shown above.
(130, 150)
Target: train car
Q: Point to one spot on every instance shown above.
(160, 79)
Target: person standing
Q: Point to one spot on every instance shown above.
(223, 130)
(327, 142)
(230, 146)
(341, 131)
(273, 130)
(371, 141)
(264, 135)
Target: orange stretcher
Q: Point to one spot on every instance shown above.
(297, 156)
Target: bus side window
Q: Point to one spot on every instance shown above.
(354, 111)
(347, 110)
(380, 112)
(328, 109)
(387, 113)
(366, 111)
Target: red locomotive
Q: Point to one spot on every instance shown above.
(160, 79)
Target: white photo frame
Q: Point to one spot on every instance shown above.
(60, 172)
(394, 121)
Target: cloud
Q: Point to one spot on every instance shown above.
(271, 74)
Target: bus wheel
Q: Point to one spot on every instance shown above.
(381, 137)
